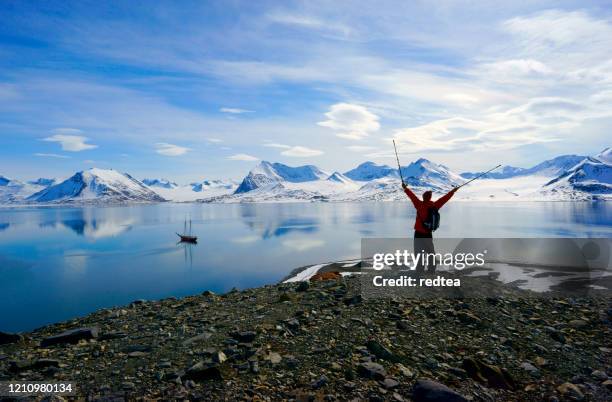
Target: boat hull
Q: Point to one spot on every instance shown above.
(187, 239)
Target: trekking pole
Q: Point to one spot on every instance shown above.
(479, 176)
(399, 167)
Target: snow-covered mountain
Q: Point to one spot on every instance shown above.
(503, 172)
(15, 191)
(97, 185)
(339, 178)
(567, 177)
(370, 171)
(549, 168)
(207, 185)
(424, 173)
(196, 190)
(605, 155)
(161, 183)
(591, 178)
(269, 175)
(42, 181)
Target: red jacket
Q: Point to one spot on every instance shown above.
(422, 208)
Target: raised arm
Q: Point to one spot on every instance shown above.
(415, 200)
(442, 200)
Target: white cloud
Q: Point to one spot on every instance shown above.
(297, 151)
(52, 155)
(524, 67)
(310, 22)
(71, 143)
(243, 157)
(234, 110)
(350, 121)
(214, 140)
(301, 152)
(276, 145)
(360, 148)
(163, 148)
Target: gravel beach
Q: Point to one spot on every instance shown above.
(321, 341)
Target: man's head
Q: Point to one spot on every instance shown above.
(427, 196)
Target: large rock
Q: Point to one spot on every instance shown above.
(71, 336)
(494, 376)
(244, 336)
(381, 352)
(372, 370)
(204, 371)
(6, 338)
(430, 391)
(570, 391)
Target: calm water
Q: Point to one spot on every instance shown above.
(58, 263)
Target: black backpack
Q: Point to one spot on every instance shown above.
(432, 222)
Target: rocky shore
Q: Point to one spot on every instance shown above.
(321, 341)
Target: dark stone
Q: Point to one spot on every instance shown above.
(320, 382)
(390, 383)
(430, 391)
(302, 286)
(19, 365)
(112, 335)
(244, 336)
(351, 301)
(371, 370)
(23, 365)
(198, 338)
(6, 338)
(293, 324)
(404, 325)
(284, 297)
(468, 318)
(137, 348)
(381, 352)
(72, 336)
(204, 371)
(492, 375)
(44, 363)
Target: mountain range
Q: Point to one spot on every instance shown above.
(566, 177)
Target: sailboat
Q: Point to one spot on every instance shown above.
(187, 236)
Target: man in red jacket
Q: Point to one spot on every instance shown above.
(423, 239)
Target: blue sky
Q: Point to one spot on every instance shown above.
(193, 90)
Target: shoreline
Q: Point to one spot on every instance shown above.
(309, 339)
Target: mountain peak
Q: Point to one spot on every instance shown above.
(163, 183)
(367, 171)
(339, 178)
(266, 173)
(97, 184)
(605, 155)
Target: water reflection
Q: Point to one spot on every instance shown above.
(278, 221)
(57, 263)
(84, 223)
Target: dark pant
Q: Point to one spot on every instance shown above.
(423, 243)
